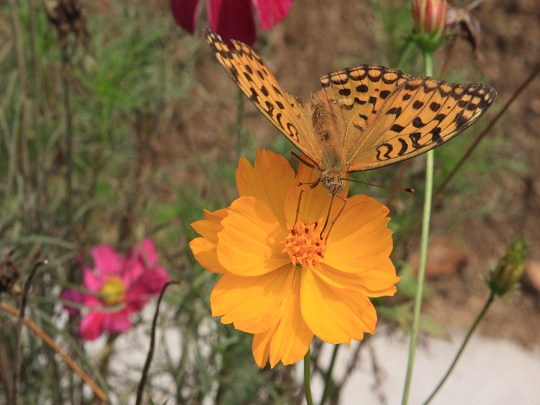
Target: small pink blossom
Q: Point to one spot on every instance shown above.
(117, 287)
(232, 19)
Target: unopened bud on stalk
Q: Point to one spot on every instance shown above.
(429, 20)
(510, 268)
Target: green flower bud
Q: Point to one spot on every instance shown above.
(510, 268)
(429, 21)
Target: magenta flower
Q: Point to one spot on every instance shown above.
(116, 288)
(231, 19)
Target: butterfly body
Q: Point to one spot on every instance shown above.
(365, 117)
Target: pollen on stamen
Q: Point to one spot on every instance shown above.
(304, 244)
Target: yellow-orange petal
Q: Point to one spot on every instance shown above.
(335, 315)
(360, 239)
(205, 253)
(204, 249)
(251, 304)
(381, 280)
(376, 282)
(269, 181)
(249, 244)
(289, 340)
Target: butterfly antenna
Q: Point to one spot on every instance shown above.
(407, 189)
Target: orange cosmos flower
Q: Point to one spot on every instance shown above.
(282, 281)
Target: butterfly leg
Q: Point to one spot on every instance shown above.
(300, 159)
(337, 216)
(302, 191)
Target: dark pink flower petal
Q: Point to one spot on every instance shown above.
(270, 12)
(135, 302)
(74, 296)
(117, 322)
(148, 251)
(185, 13)
(91, 326)
(151, 282)
(91, 281)
(107, 261)
(232, 20)
(142, 256)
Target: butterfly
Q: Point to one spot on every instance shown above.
(365, 117)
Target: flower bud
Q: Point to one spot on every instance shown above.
(510, 268)
(429, 16)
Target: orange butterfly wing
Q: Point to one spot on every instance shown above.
(390, 116)
(249, 72)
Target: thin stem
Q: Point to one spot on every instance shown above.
(50, 341)
(23, 89)
(150, 355)
(69, 129)
(18, 340)
(465, 341)
(239, 127)
(307, 377)
(328, 374)
(428, 65)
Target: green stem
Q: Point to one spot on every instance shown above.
(428, 64)
(239, 127)
(307, 377)
(328, 375)
(69, 130)
(465, 341)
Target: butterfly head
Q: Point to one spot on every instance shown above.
(331, 170)
(333, 183)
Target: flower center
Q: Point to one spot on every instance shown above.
(112, 292)
(304, 244)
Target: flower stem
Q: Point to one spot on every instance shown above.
(465, 341)
(239, 127)
(328, 375)
(428, 66)
(307, 377)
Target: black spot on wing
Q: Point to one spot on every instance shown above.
(436, 135)
(404, 147)
(434, 106)
(362, 88)
(415, 137)
(417, 122)
(397, 128)
(395, 110)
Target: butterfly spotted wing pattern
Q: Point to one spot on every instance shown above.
(250, 73)
(390, 116)
(365, 117)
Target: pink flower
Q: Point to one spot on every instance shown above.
(231, 19)
(117, 287)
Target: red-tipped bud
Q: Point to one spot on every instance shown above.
(429, 16)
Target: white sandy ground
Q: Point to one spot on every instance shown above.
(490, 372)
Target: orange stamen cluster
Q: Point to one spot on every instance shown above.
(304, 244)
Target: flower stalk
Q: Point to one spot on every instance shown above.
(429, 17)
(502, 280)
(307, 378)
